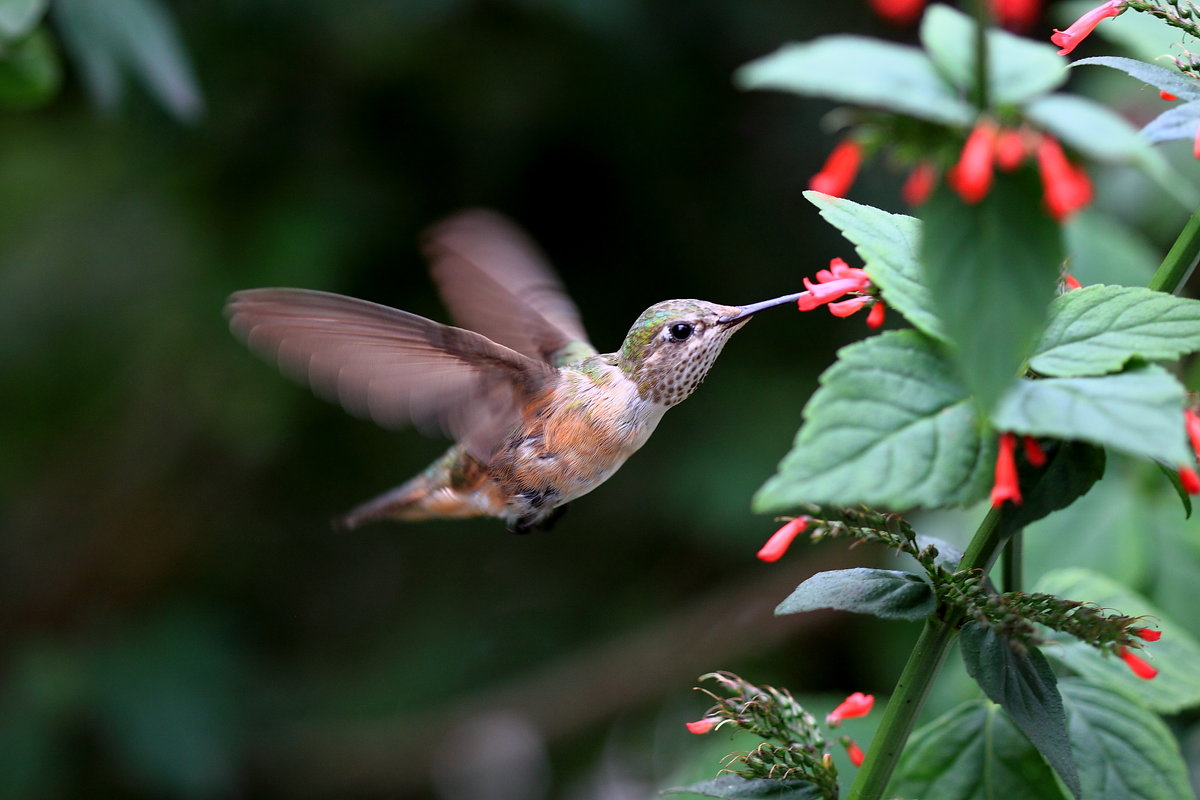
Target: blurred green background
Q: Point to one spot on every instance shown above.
(177, 618)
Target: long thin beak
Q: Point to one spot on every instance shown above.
(754, 308)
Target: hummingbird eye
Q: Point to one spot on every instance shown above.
(680, 331)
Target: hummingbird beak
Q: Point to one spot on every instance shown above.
(754, 308)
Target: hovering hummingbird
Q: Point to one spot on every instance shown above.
(539, 418)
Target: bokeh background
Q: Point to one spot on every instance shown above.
(177, 618)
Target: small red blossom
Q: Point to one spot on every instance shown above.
(1072, 283)
(1165, 95)
(701, 726)
(1011, 150)
(840, 170)
(1006, 486)
(847, 307)
(831, 284)
(1079, 30)
(875, 316)
(898, 12)
(1016, 15)
(1066, 188)
(1192, 422)
(856, 705)
(919, 184)
(854, 751)
(1189, 480)
(1196, 144)
(1148, 634)
(1136, 664)
(1034, 453)
(781, 540)
(971, 177)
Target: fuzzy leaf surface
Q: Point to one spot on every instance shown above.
(1018, 68)
(1021, 681)
(1139, 412)
(1175, 656)
(887, 243)
(1168, 80)
(1122, 750)
(735, 787)
(973, 752)
(1177, 122)
(890, 426)
(870, 73)
(1099, 329)
(885, 593)
(995, 265)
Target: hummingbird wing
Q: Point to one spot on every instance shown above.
(390, 366)
(494, 280)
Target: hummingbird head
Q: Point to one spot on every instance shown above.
(672, 345)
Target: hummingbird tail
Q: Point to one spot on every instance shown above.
(401, 503)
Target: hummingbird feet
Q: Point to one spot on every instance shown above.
(537, 522)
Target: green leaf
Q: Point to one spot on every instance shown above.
(974, 752)
(869, 73)
(30, 73)
(995, 266)
(890, 426)
(734, 787)
(887, 243)
(1102, 249)
(1019, 678)
(1099, 329)
(1018, 68)
(1177, 122)
(885, 593)
(1123, 751)
(1173, 478)
(1073, 468)
(1168, 80)
(1139, 412)
(1175, 655)
(19, 17)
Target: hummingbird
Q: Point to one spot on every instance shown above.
(538, 416)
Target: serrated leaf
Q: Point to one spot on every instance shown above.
(1021, 681)
(974, 752)
(1122, 751)
(890, 426)
(1139, 412)
(734, 787)
(1018, 68)
(1099, 329)
(1175, 656)
(870, 73)
(885, 593)
(887, 243)
(995, 265)
(19, 17)
(1073, 469)
(1168, 80)
(1177, 122)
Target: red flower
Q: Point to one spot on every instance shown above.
(1189, 480)
(831, 284)
(898, 12)
(1196, 144)
(1165, 95)
(1069, 39)
(856, 705)
(1071, 282)
(971, 177)
(1139, 666)
(854, 751)
(1066, 188)
(781, 540)
(701, 725)
(1192, 422)
(1016, 15)
(1006, 487)
(1149, 634)
(839, 171)
(875, 317)
(919, 184)
(847, 307)
(1034, 453)
(1010, 150)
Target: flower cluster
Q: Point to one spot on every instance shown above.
(863, 525)
(1006, 487)
(1017, 15)
(838, 281)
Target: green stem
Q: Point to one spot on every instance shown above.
(982, 18)
(1012, 570)
(1180, 260)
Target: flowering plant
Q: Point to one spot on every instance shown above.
(1013, 385)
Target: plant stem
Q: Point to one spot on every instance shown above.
(982, 18)
(1012, 570)
(1180, 260)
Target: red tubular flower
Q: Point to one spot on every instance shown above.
(847, 307)
(1165, 95)
(1072, 283)
(919, 184)
(856, 705)
(839, 171)
(971, 177)
(1138, 665)
(831, 284)
(1034, 453)
(1069, 39)
(898, 12)
(1192, 422)
(1189, 480)
(1010, 150)
(1006, 486)
(701, 726)
(1017, 15)
(1066, 188)
(1196, 144)
(854, 751)
(875, 317)
(781, 540)
(1148, 634)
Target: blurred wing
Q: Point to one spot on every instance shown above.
(493, 279)
(390, 366)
